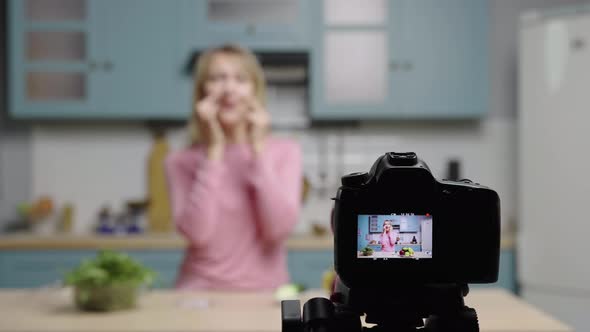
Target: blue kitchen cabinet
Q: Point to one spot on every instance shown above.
(428, 60)
(96, 59)
(30, 268)
(409, 225)
(443, 71)
(507, 276)
(275, 25)
(307, 267)
(142, 61)
(33, 268)
(349, 62)
(24, 269)
(165, 262)
(50, 59)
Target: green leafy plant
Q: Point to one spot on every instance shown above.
(367, 251)
(110, 268)
(110, 281)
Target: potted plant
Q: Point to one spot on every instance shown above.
(110, 281)
(367, 251)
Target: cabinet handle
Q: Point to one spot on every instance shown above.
(92, 65)
(407, 66)
(578, 44)
(394, 65)
(108, 65)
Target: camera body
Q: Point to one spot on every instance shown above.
(398, 224)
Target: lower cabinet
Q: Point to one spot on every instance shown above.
(307, 267)
(507, 275)
(35, 268)
(32, 268)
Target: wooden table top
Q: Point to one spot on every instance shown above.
(51, 310)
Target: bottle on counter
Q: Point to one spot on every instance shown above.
(106, 222)
(67, 218)
(136, 222)
(159, 216)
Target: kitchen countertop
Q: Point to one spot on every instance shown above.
(52, 311)
(138, 242)
(150, 242)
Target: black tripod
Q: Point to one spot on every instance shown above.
(397, 310)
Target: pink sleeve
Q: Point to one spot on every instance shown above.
(194, 195)
(277, 181)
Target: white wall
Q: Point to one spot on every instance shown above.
(94, 164)
(483, 150)
(91, 165)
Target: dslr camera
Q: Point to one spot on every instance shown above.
(406, 246)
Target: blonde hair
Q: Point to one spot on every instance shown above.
(201, 73)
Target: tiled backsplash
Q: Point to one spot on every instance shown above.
(95, 164)
(486, 152)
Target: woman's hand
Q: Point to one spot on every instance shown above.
(206, 112)
(258, 123)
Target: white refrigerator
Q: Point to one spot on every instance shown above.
(553, 242)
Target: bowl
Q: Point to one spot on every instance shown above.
(106, 298)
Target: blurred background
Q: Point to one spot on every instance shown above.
(94, 92)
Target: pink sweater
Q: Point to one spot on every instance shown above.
(236, 214)
(387, 242)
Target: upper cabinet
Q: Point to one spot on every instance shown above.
(258, 24)
(443, 62)
(378, 59)
(350, 59)
(400, 59)
(96, 59)
(142, 62)
(50, 57)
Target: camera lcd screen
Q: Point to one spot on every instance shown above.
(394, 236)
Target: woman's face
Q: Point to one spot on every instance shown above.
(387, 227)
(230, 82)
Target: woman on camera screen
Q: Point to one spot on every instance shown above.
(235, 190)
(387, 237)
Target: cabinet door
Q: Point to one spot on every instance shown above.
(50, 59)
(23, 269)
(164, 262)
(308, 267)
(350, 62)
(444, 66)
(140, 59)
(507, 275)
(258, 24)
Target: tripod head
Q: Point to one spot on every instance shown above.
(431, 307)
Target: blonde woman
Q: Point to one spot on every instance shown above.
(387, 237)
(236, 190)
